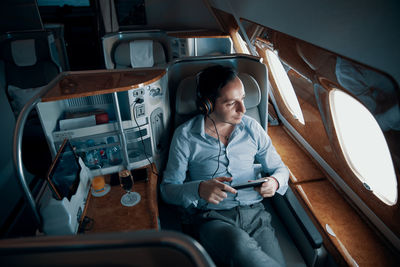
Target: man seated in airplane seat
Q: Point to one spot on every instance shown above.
(209, 155)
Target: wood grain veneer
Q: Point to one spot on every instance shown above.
(312, 75)
(313, 130)
(301, 167)
(327, 206)
(390, 215)
(89, 83)
(354, 240)
(320, 133)
(110, 216)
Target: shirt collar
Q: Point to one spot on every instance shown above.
(198, 126)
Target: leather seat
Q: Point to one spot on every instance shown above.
(299, 239)
(28, 66)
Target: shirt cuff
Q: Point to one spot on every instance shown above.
(192, 193)
(282, 179)
(276, 182)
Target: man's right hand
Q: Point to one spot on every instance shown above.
(214, 191)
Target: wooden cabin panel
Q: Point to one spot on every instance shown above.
(110, 216)
(313, 131)
(302, 169)
(313, 74)
(87, 83)
(326, 206)
(354, 240)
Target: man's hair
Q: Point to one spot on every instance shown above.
(212, 79)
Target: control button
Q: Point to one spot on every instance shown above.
(155, 92)
(138, 92)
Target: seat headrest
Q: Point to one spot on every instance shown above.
(252, 90)
(186, 94)
(24, 52)
(27, 60)
(123, 58)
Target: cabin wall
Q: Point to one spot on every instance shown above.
(363, 30)
(314, 72)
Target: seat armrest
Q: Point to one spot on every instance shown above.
(287, 205)
(292, 213)
(302, 230)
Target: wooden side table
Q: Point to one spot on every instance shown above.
(109, 215)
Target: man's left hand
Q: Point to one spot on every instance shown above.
(268, 188)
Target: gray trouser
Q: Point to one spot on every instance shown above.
(241, 236)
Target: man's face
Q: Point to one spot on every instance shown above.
(229, 106)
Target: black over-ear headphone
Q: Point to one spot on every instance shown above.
(209, 83)
(204, 104)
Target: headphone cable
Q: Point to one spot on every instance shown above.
(219, 144)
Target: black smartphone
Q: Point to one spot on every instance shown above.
(249, 184)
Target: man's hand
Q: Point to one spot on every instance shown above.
(213, 190)
(268, 188)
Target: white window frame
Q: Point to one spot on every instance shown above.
(364, 146)
(284, 86)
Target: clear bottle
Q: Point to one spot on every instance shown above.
(113, 152)
(93, 158)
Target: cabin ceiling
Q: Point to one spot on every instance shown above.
(364, 30)
(179, 14)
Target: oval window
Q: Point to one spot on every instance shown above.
(364, 146)
(284, 86)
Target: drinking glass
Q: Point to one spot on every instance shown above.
(129, 199)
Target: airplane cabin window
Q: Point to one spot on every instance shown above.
(284, 86)
(364, 147)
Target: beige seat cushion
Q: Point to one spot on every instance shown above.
(122, 57)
